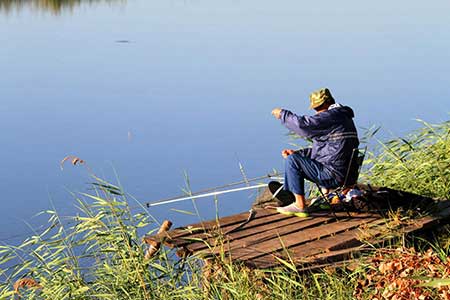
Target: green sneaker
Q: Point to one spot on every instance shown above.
(293, 210)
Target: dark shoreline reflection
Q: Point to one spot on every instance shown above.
(53, 6)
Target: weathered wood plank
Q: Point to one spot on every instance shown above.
(296, 238)
(340, 251)
(267, 219)
(337, 255)
(304, 253)
(276, 239)
(274, 234)
(262, 229)
(265, 231)
(307, 242)
(182, 237)
(223, 222)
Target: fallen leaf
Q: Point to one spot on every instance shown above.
(26, 283)
(74, 160)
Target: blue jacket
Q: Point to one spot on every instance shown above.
(333, 134)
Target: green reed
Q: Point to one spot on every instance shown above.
(418, 163)
(99, 253)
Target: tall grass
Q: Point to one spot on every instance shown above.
(99, 253)
(418, 163)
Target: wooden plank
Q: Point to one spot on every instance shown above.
(324, 259)
(303, 253)
(339, 254)
(267, 235)
(210, 234)
(346, 253)
(348, 242)
(263, 231)
(296, 238)
(343, 244)
(182, 241)
(309, 241)
(423, 223)
(222, 222)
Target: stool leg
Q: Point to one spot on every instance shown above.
(326, 198)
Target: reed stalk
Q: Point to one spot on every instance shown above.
(99, 253)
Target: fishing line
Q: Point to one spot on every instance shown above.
(19, 235)
(38, 231)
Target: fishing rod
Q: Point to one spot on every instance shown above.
(150, 204)
(213, 191)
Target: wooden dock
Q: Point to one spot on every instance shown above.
(269, 239)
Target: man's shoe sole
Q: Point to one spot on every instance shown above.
(302, 215)
(285, 197)
(297, 214)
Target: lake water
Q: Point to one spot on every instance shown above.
(151, 89)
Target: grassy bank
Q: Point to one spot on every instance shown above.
(418, 163)
(99, 254)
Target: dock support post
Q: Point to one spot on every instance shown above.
(155, 243)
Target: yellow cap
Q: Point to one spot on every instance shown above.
(318, 97)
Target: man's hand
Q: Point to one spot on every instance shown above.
(276, 112)
(286, 152)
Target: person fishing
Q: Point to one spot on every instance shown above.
(334, 137)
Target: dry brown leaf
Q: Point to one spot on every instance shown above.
(392, 275)
(74, 160)
(26, 283)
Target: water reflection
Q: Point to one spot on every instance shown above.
(53, 6)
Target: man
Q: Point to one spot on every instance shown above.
(334, 137)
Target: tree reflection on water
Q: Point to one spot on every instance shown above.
(54, 6)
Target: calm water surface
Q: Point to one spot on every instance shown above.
(150, 89)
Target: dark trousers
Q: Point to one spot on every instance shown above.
(298, 168)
